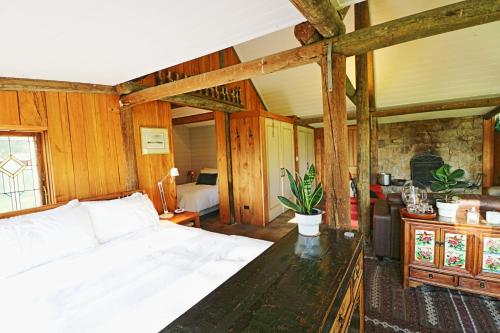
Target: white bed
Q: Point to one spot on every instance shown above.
(197, 198)
(138, 282)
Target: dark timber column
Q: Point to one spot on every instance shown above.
(363, 128)
(336, 173)
(132, 180)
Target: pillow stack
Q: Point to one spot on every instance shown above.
(27, 241)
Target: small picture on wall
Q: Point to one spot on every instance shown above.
(154, 141)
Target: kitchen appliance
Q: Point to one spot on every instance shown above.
(384, 179)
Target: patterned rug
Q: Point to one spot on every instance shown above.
(389, 308)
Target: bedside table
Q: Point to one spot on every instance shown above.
(186, 217)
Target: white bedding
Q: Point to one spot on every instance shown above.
(137, 283)
(195, 198)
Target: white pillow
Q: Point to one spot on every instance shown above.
(149, 212)
(208, 170)
(115, 218)
(30, 240)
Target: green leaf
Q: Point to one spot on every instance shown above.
(316, 196)
(441, 173)
(290, 205)
(437, 187)
(293, 187)
(457, 174)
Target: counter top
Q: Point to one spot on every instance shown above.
(294, 286)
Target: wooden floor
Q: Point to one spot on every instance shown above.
(277, 229)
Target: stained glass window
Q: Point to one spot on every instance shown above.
(20, 181)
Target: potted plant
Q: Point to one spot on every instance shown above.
(446, 182)
(307, 216)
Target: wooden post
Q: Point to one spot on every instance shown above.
(363, 127)
(373, 148)
(488, 151)
(336, 173)
(224, 167)
(132, 176)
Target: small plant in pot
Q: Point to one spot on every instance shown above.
(307, 216)
(446, 182)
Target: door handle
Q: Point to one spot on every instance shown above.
(431, 276)
(282, 172)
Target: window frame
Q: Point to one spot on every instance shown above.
(43, 165)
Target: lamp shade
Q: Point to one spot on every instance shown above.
(174, 172)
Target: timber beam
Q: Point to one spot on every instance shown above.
(436, 21)
(9, 83)
(451, 104)
(193, 119)
(492, 113)
(323, 21)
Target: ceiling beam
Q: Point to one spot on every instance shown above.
(429, 23)
(193, 119)
(322, 15)
(323, 21)
(450, 104)
(492, 113)
(9, 83)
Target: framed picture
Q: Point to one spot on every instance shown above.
(154, 141)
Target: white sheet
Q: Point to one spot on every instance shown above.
(137, 283)
(195, 198)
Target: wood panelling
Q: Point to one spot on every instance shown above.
(248, 178)
(152, 168)
(9, 109)
(85, 145)
(224, 58)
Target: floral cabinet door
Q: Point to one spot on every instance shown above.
(488, 261)
(457, 253)
(424, 244)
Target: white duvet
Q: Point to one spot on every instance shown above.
(195, 198)
(138, 283)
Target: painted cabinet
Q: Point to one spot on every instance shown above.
(305, 148)
(453, 255)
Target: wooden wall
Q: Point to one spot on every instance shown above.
(248, 172)
(85, 140)
(319, 151)
(152, 168)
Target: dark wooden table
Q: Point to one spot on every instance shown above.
(297, 285)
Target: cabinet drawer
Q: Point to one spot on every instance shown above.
(433, 277)
(357, 274)
(480, 285)
(340, 323)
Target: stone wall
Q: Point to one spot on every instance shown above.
(459, 141)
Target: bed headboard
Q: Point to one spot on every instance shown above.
(110, 196)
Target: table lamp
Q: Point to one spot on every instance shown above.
(174, 172)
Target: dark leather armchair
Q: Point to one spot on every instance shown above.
(387, 219)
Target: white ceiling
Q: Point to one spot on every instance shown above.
(111, 41)
(454, 65)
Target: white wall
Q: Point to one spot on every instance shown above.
(194, 148)
(203, 148)
(182, 152)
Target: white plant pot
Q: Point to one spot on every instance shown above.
(309, 224)
(447, 209)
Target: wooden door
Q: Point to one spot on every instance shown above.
(274, 171)
(424, 245)
(287, 158)
(305, 145)
(456, 250)
(488, 255)
(302, 150)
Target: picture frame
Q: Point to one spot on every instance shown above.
(154, 141)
